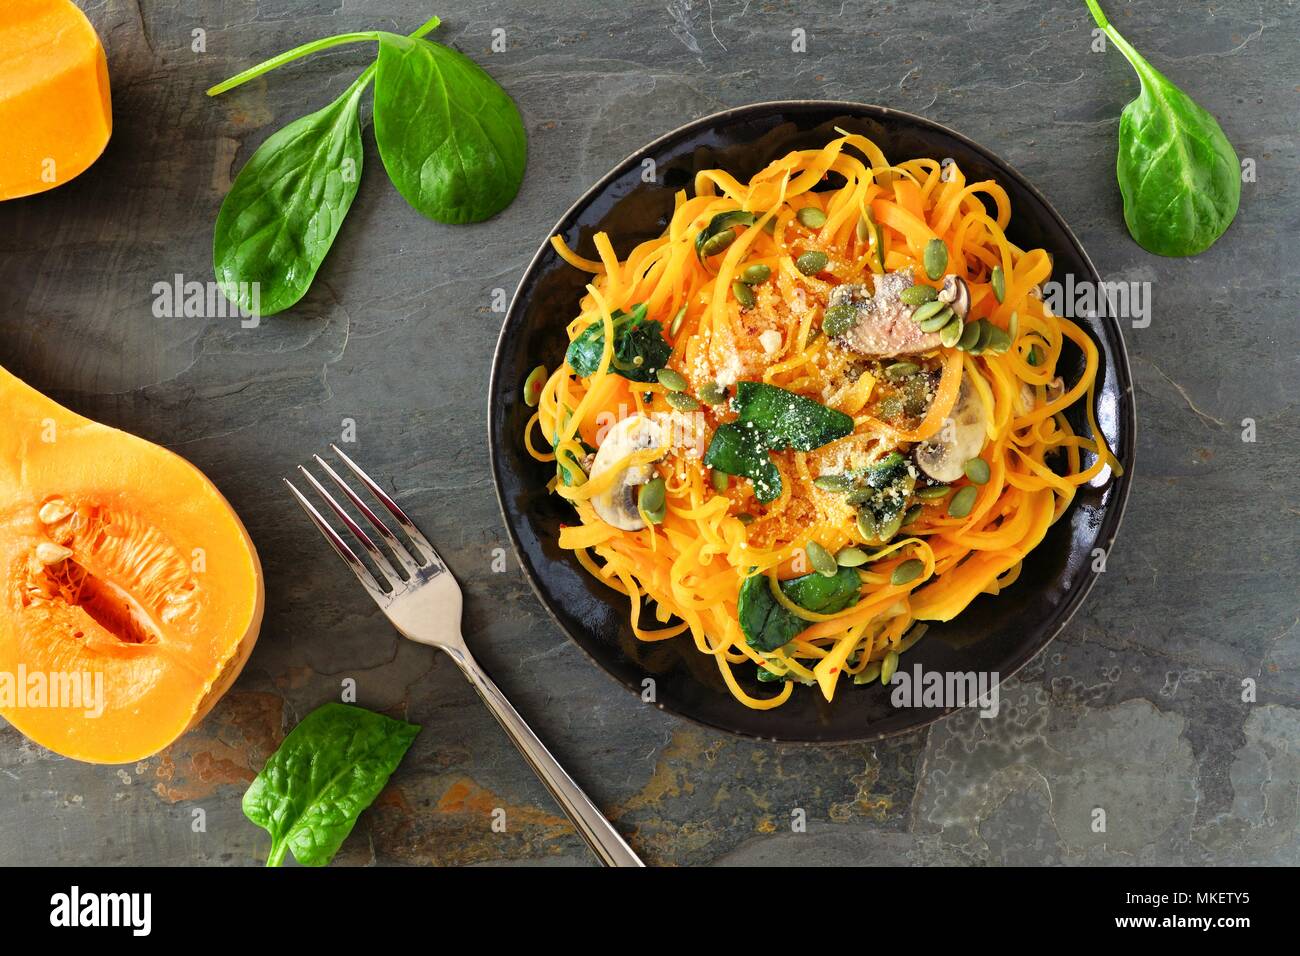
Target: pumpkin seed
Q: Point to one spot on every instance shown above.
(951, 333)
(962, 502)
(937, 321)
(832, 482)
(823, 561)
(932, 492)
(755, 274)
(999, 341)
(713, 393)
(907, 572)
(811, 263)
(888, 667)
(935, 258)
(927, 309)
(681, 401)
(867, 674)
(533, 386)
(867, 526)
(745, 518)
(977, 470)
(1013, 325)
(918, 294)
(898, 371)
(911, 514)
(769, 227)
(716, 243)
(838, 319)
(890, 528)
(863, 229)
(811, 217)
(744, 294)
(851, 557)
(999, 282)
(969, 336)
(671, 380)
(721, 480)
(653, 500)
(983, 339)
(47, 553)
(676, 325)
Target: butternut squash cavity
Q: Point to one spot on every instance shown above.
(121, 564)
(55, 108)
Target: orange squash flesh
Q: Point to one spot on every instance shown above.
(122, 566)
(55, 109)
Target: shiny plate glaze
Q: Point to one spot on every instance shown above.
(993, 635)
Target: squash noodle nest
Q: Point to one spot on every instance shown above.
(688, 567)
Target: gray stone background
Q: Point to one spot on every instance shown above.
(1136, 708)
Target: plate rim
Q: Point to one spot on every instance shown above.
(1122, 370)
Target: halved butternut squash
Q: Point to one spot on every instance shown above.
(55, 107)
(132, 595)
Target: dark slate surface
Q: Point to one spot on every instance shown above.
(1136, 709)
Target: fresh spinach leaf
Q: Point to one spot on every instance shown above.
(327, 770)
(767, 624)
(1178, 174)
(640, 348)
(771, 419)
(450, 137)
(287, 204)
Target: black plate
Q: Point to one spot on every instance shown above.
(993, 634)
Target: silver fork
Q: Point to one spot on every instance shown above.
(423, 602)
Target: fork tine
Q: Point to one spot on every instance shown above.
(394, 542)
(417, 537)
(378, 556)
(339, 545)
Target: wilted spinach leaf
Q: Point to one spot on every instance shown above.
(1178, 174)
(640, 348)
(767, 624)
(327, 770)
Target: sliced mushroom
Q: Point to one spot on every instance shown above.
(956, 293)
(944, 457)
(616, 505)
(1027, 401)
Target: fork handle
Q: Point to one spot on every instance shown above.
(604, 840)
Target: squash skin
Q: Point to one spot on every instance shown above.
(55, 102)
(160, 508)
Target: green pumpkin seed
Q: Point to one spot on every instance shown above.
(937, 321)
(898, 371)
(932, 492)
(969, 336)
(721, 480)
(962, 502)
(918, 294)
(744, 294)
(811, 263)
(908, 571)
(769, 227)
(985, 327)
(676, 325)
(852, 557)
(999, 341)
(868, 674)
(716, 243)
(1013, 325)
(745, 518)
(935, 258)
(951, 333)
(823, 561)
(888, 529)
(861, 497)
(811, 217)
(867, 526)
(533, 386)
(863, 229)
(755, 274)
(653, 500)
(838, 319)
(713, 393)
(888, 667)
(977, 470)
(833, 482)
(927, 310)
(671, 380)
(911, 514)
(681, 401)
(999, 283)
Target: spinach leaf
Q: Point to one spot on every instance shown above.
(287, 204)
(771, 419)
(640, 348)
(1178, 174)
(450, 137)
(767, 624)
(327, 770)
